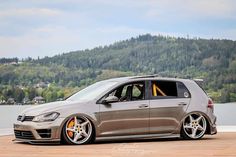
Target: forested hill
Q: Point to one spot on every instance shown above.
(212, 60)
(153, 54)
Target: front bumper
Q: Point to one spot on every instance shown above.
(33, 132)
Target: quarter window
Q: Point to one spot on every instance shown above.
(182, 90)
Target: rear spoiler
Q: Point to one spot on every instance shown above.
(200, 82)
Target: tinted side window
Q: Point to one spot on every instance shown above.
(182, 90)
(164, 89)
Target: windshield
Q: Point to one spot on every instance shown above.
(91, 92)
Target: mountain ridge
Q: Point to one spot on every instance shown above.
(213, 60)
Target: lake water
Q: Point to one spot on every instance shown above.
(225, 114)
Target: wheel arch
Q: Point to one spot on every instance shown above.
(93, 122)
(208, 129)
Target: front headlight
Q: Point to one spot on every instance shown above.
(46, 117)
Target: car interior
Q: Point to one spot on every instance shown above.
(129, 92)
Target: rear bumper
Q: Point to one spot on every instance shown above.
(213, 129)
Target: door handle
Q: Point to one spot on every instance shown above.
(182, 104)
(143, 106)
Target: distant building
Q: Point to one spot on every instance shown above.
(11, 63)
(2, 101)
(26, 100)
(11, 101)
(42, 85)
(38, 100)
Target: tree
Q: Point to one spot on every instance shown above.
(18, 94)
(31, 93)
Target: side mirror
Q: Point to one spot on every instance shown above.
(110, 99)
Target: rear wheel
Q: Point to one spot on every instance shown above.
(194, 126)
(77, 130)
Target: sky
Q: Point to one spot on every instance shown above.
(38, 28)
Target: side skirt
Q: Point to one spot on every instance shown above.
(132, 137)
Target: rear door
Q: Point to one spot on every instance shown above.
(168, 103)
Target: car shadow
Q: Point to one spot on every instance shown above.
(150, 140)
(120, 141)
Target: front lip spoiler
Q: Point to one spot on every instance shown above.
(41, 141)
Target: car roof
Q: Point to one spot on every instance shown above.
(146, 77)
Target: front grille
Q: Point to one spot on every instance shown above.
(44, 133)
(26, 118)
(24, 135)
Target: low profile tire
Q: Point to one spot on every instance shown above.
(77, 130)
(194, 126)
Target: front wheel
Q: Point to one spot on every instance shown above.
(77, 130)
(194, 126)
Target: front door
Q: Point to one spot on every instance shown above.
(128, 116)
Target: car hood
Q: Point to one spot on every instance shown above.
(50, 107)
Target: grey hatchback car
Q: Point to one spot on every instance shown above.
(122, 108)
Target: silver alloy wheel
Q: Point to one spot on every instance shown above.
(194, 125)
(78, 129)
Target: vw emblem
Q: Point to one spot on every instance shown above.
(22, 118)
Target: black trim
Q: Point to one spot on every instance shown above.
(25, 118)
(28, 135)
(44, 133)
(148, 92)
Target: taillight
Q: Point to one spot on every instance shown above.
(210, 104)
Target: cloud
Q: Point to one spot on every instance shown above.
(214, 8)
(39, 28)
(192, 8)
(29, 12)
(19, 21)
(52, 40)
(45, 41)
